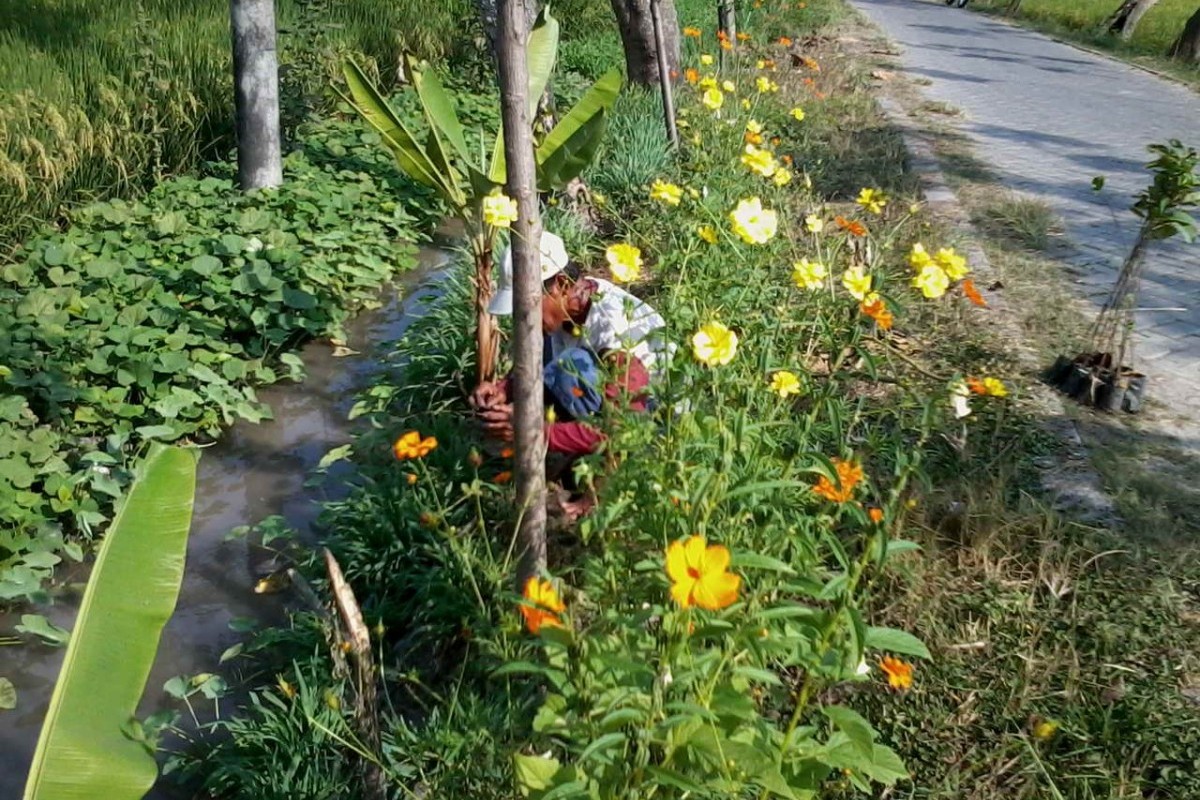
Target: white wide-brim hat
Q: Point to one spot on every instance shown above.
(554, 261)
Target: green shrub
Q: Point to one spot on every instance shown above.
(636, 150)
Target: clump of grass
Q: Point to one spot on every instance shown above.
(636, 150)
(1025, 220)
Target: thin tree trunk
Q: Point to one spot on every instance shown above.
(1187, 47)
(637, 35)
(529, 409)
(664, 79)
(1124, 20)
(256, 95)
(727, 25)
(487, 335)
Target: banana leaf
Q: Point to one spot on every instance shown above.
(374, 108)
(439, 109)
(82, 753)
(575, 139)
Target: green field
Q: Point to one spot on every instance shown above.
(102, 98)
(1082, 21)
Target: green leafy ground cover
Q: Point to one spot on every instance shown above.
(156, 319)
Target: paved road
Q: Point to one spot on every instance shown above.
(1049, 117)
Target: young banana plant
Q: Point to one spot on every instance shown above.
(444, 162)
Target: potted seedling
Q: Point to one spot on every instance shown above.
(1103, 377)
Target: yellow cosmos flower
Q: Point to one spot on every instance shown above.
(782, 177)
(712, 98)
(544, 605)
(753, 223)
(499, 210)
(729, 86)
(760, 64)
(919, 258)
(665, 192)
(708, 82)
(954, 264)
(706, 59)
(412, 445)
(809, 274)
(932, 280)
(765, 85)
(872, 200)
(797, 114)
(707, 233)
(857, 283)
(624, 262)
(785, 384)
(814, 224)
(714, 344)
(745, 104)
(899, 673)
(995, 387)
(758, 161)
(699, 574)
(753, 126)
(1045, 730)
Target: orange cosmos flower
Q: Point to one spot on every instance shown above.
(785, 41)
(875, 514)
(751, 137)
(726, 44)
(699, 576)
(972, 294)
(502, 477)
(899, 673)
(877, 310)
(743, 37)
(854, 227)
(507, 452)
(674, 74)
(786, 159)
(811, 63)
(768, 63)
(691, 75)
(543, 605)
(848, 473)
(411, 445)
(976, 386)
(692, 32)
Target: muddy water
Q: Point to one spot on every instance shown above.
(253, 472)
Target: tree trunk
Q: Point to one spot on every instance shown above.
(637, 35)
(664, 80)
(1187, 46)
(1124, 20)
(256, 96)
(528, 405)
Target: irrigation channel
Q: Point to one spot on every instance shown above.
(255, 471)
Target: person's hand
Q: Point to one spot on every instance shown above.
(497, 422)
(486, 395)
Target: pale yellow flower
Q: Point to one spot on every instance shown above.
(712, 99)
(624, 262)
(797, 114)
(714, 344)
(782, 177)
(706, 59)
(954, 264)
(872, 200)
(745, 104)
(708, 82)
(753, 223)
(753, 126)
(919, 258)
(765, 84)
(707, 233)
(499, 210)
(809, 274)
(759, 161)
(785, 383)
(814, 224)
(932, 280)
(729, 86)
(857, 283)
(995, 387)
(667, 193)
